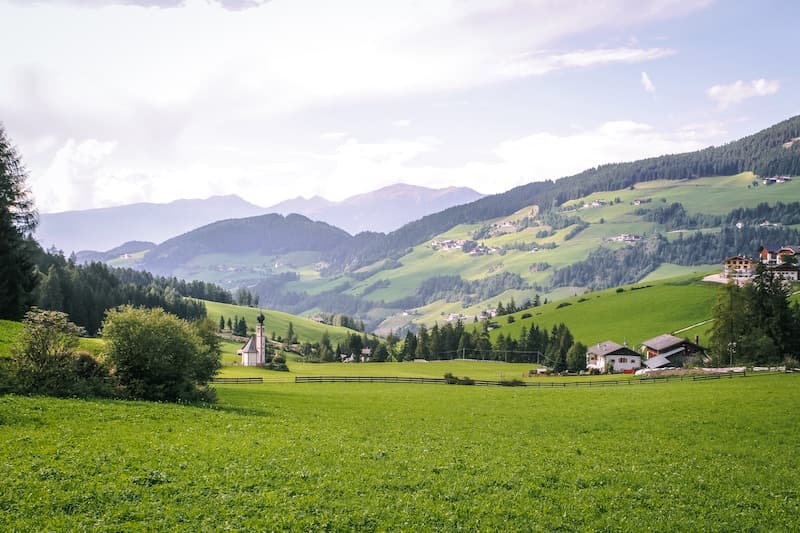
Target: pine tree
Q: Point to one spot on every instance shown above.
(221, 322)
(17, 222)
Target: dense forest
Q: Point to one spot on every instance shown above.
(86, 292)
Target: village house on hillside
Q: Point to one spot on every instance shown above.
(780, 260)
(668, 350)
(612, 357)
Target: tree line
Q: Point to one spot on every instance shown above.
(556, 348)
(755, 323)
(86, 292)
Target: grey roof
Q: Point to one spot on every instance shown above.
(662, 342)
(250, 345)
(609, 347)
(656, 362)
(794, 247)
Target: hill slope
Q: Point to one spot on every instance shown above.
(265, 234)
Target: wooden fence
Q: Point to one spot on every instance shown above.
(237, 380)
(517, 383)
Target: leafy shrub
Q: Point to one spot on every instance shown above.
(450, 379)
(466, 381)
(620, 289)
(512, 383)
(158, 356)
(563, 304)
(525, 315)
(44, 360)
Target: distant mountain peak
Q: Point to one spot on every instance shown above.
(381, 210)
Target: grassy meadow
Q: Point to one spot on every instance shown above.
(703, 456)
(633, 314)
(8, 332)
(278, 322)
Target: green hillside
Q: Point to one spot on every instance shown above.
(637, 313)
(278, 322)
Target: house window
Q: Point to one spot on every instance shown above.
(623, 359)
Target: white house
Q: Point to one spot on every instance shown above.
(611, 356)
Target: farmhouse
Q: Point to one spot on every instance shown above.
(739, 267)
(254, 351)
(613, 357)
(668, 350)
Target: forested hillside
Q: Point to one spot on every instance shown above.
(86, 292)
(262, 234)
(763, 153)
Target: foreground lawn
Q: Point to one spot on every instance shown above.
(705, 456)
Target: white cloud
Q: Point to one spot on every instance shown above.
(535, 157)
(538, 64)
(647, 84)
(736, 92)
(333, 135)
(195, 97)
(401, 123)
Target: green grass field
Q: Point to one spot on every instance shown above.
(705, 456)
(8, 332)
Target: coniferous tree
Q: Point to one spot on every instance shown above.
(17, 222)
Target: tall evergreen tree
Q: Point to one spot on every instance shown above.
(17, 222)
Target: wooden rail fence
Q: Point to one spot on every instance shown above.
(517, 383)
(237, 380)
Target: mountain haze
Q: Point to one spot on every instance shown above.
(382, 210)
(108, 227)
(102, 229)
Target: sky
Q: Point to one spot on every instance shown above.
(111, 102)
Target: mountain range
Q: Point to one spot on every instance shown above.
(382, 210)
(615, 224)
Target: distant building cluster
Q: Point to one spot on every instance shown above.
(780, 260)
(626, 237)
(466, 246)
(775, 180)
(448, 244)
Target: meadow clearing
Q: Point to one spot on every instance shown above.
(703, 456)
